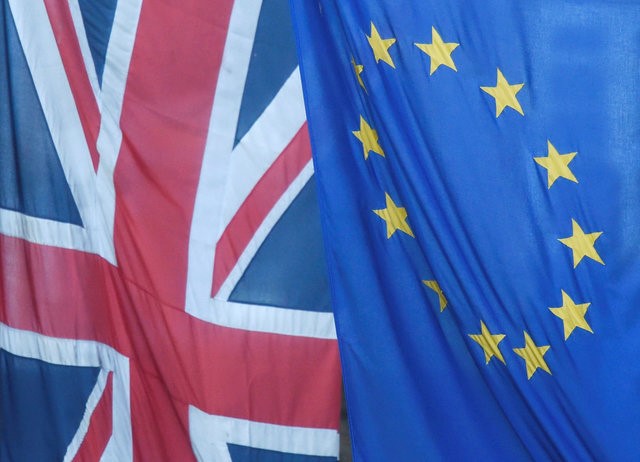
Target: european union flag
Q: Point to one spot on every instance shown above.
(478, 169)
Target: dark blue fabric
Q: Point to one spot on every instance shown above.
(245, 454)
(31, 178)
(273, 59)
(41, 406)
(299, 278)
(97, 17)
(486, 224)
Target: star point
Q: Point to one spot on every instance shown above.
(505, 94)
(557, 164)
(439, 52)
(582, 244)
(433, 285)
(489, 343)
(395, 217)
(380, 46)
(572, 315)
(358, 69)
(369, 139)
(533, 356)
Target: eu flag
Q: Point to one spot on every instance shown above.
(478, 167)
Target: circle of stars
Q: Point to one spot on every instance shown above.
(505, 96)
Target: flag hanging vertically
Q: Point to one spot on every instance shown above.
(479, 175)
(162, 294)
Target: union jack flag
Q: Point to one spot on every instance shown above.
(162, 291)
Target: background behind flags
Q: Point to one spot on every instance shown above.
(478, 174)
(162, 291)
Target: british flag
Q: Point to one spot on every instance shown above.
(162, 291)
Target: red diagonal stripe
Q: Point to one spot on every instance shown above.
(257, 205)
(74, 65)
(100, 427)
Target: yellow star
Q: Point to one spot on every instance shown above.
(438, 51)
(572, 315)
(358, 68)
(557, 165)
(380, 46)
(395, 217)
(433, 285)
(369, 139)
(582, 244)
(533, 356)
(489, 343)
(505, 94)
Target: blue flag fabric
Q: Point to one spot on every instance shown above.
(478, 174)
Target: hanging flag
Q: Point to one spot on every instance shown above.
(478, 177)
(162, 288)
